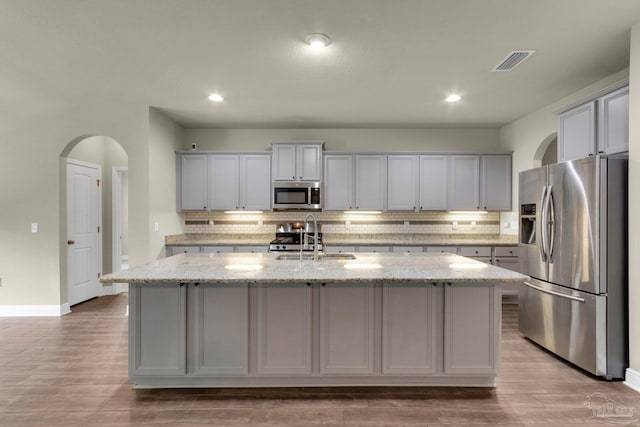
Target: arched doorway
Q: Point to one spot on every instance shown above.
(547, 152)
(90, 165)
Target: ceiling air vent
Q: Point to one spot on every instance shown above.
(512, 60)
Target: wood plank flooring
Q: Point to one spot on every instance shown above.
(72, 371)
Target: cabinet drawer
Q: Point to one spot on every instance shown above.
(375, 249)
(475, 251)
(339, 249)
(407, 249)
(218, 249)
(443, 249)
(175, 250)
(252, 249)
(507, 251)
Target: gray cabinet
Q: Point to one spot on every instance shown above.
(355, 182)
(433, 183)
(346, 329)
(223, 181)
(464, 182)
(338, 182)
(613, 122)
(157, 331)
(410, 329)
(284, 329)
(417, 182)
(297, 161)
(471, 329)
(220, 329)
(402, 182)
(600, 126)
(480, 182)
(495, 181)
(192, 182)
(577, 132)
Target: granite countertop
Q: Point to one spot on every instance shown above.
(265, 269)
(331, 239)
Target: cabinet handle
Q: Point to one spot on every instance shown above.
(293, 177)
(600, 152)
(300, 177)
(421, 208)
(590, 154)
(71, 242)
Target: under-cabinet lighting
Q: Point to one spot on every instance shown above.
(468, 212)
(362, 266)
(474, 266)
(243, 267)
(363, 212)
(243, 212)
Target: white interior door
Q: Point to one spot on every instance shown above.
(83, 230)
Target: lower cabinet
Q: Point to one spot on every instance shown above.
(220, 329)
(471, 329)
(317, 334)
(346, 329)
(410, 329)
(157, 331)
(284, 331)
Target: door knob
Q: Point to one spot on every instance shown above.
(71, 242)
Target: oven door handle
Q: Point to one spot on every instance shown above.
(554, 293)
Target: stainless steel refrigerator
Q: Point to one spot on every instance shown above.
(573, 245)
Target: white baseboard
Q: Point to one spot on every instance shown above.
(34, 310)
(632, 379)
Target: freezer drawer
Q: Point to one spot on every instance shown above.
(569, 323)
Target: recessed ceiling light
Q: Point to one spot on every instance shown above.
(317, 41)
(453, 98)
(216, 97)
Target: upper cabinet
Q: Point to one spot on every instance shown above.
(354, 182)
(223, 182)
(417, 182)
(297, 161)
(480, 182)
(600, 126)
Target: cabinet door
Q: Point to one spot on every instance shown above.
(193, 182)
(284, 329)
(157, 329)
(217, 249)
(471, 329)
(255, 182)
(576, 132)
(175, 250)
(223, 182)
(370, 182)
(220, 329)
(338, 182)
(613, 122)
(402, 183)
(496, 183)
(283, 166)
(346, 329)
(433, 183)
(309, 162)
(409, 329)
(464, 182)
(252, 249)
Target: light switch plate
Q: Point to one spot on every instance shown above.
(156, 226)
(34, 227)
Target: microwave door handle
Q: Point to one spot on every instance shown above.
(542, 221)
(551, 209)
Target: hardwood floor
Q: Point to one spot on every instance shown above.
(72, 371)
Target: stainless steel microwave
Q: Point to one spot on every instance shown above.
(297, 196)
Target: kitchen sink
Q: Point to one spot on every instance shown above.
(308, 256)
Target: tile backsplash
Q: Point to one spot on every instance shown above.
(344, 223)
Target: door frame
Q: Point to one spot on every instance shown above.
(116, 220)
(98, 252)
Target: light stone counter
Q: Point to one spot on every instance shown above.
(265, 268)
(249, 320)
(334, 239)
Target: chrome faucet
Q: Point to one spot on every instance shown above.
(315, 237)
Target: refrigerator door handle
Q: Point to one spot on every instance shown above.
(551, 221)
(554, 293)
(543, 220)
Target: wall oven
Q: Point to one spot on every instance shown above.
(297, 196)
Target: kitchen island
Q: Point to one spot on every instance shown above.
(252, 320)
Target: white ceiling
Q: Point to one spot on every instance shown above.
(390, 63)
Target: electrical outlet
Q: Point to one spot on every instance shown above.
(473, 225)
(454, 225)
(194, 146)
